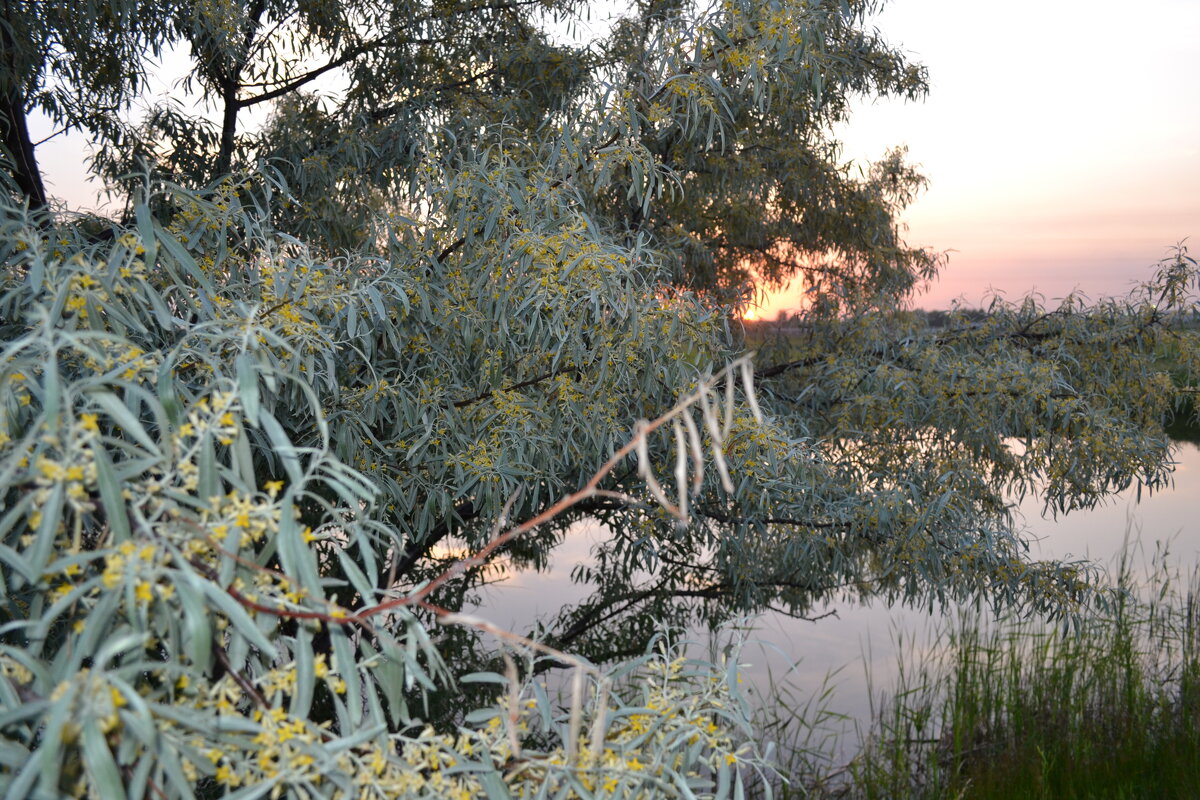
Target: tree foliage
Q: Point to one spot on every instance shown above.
(733, 103)
(248, 429)
(78, 62)
(204, 561)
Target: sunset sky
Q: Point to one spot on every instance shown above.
(1061, 139)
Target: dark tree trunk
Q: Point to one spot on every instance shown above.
(228, 131)
(230, 85)
(14, 127)
(19, 147)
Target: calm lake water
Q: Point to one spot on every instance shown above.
(855, 650)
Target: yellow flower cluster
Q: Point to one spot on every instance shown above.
(18, 391)
(72, 470)
(91, 700)
(296, 295)
(249, 517)
(217, 418)
(140, 567)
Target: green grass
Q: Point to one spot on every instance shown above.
(1018, 709)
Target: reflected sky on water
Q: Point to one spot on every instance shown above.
(856, 648)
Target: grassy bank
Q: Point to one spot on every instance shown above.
(1018, 709)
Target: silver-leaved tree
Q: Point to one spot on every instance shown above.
(264, 435)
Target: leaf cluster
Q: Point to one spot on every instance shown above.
(203, 589)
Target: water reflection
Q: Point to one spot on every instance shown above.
(856, 649)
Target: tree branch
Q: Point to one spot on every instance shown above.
(515, 387)
(313, 74)
(415, 551)
(383, 113)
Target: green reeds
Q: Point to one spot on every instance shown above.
(1014, 708)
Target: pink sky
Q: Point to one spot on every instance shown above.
(1061, 139)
